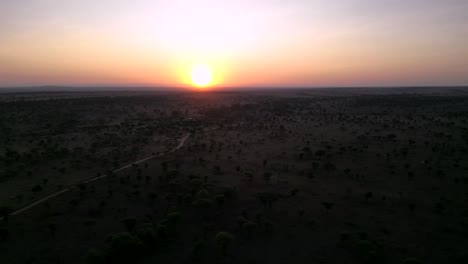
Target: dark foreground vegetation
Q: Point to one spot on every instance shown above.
(264, 177)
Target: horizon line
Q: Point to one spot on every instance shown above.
(143, 86)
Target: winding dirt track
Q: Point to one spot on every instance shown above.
(68, 188)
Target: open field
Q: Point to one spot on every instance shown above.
(298, 176)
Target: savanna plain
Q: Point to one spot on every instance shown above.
(271, 176)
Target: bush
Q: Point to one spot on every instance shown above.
(224, 240)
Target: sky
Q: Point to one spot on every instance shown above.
(269, 43)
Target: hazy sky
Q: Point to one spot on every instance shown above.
(246, 42)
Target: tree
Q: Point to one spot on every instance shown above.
(147, 236)
(203, 194)
(198, 249)
(204, 205)
(152, 197)
(124, 248)
(369, 252)
(4, 234)
(164, 165)
(82, 187)
(5, 212)
(267, 176)
(36, 189)
(267, 198)
(327, 205)
(196, 183)
(224, 240)
(294, 192)
(52, 229)
(412, 261)
(129, 223)
(344, 236)
(249, 227)
(220, 199)
(173, 218)
(94, 256)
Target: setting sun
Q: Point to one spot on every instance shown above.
(201, 75)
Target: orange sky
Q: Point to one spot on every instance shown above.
(246, 43)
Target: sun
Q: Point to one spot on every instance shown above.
(201, 75)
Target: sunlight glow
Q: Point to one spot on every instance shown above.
(201, 75)
(267, 43)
